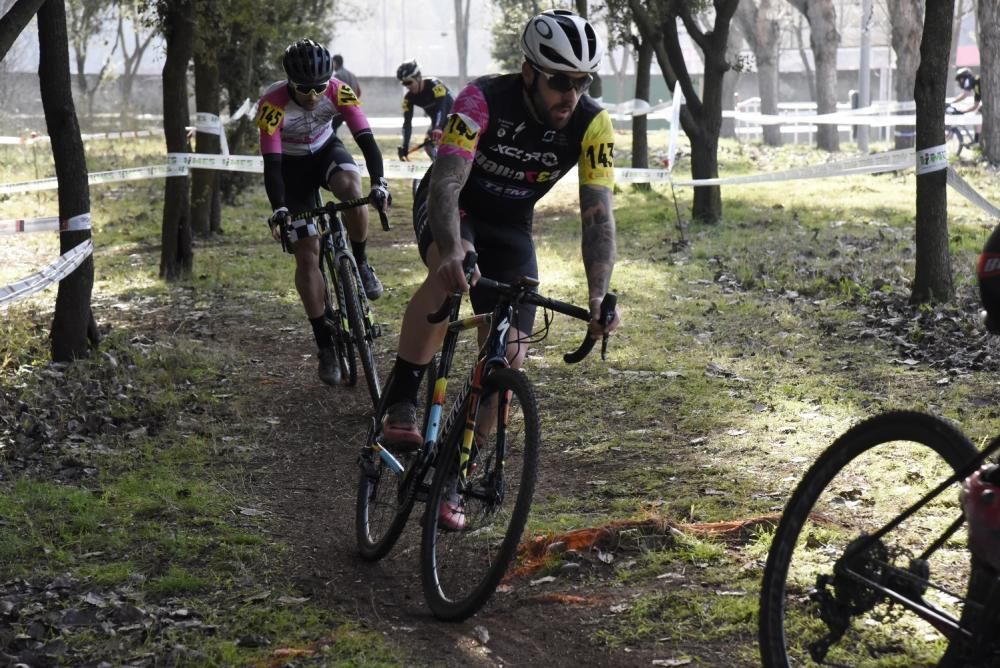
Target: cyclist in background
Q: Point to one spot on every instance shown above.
(431, 95)
(345, 75)
(301, 154)
(970, 87)
(508, 139)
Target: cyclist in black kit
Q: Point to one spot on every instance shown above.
(970, 85)
(431, 95)
(507, 141)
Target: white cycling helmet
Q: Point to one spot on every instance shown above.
(560, 40)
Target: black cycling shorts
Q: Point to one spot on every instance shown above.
(506, 252)
(304, 175)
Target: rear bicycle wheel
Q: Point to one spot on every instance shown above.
(334, 300)
(461, 569)
(361, 329)
(955, 140)
(815, 609)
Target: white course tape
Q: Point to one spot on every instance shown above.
(76, 223)
(112, 176)
(47, 224)
(212, 124)
(932, 159)
(228, 163)
(866, 164)
(53, 273)
(969, 193)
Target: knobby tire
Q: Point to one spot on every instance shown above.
(460, 570)
(360, 326)
(842, 497)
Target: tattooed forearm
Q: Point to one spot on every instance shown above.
(447, 179)
(598, 238)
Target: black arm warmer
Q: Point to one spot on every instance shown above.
(442, 111)
(273, 183)
(407, 125)
(373, 157)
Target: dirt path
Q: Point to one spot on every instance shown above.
(308, 482)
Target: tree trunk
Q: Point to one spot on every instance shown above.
(988, 25)
(12, 23)
(907, 19)
(177, 257)
(204, 182)
(824, 40)
(762, 33)
(73, 323)
(640, 124)
(932, 276)
(807, 68)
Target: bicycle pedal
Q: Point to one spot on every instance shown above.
(376, 330)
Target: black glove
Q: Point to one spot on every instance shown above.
(379, 196)
(402, 152)
(279, 217)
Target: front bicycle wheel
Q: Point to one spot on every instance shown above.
(830, 594)
(462, 563)
(955, 140)
(336, 316)
(361, 329)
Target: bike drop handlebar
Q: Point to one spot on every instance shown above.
(335, 207)
(607, 315)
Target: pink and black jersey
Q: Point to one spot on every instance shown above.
(287, 128)
(516, 159)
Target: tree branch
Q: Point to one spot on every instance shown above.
(13, 22)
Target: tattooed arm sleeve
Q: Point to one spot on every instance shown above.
(447, 178)
(598, 242)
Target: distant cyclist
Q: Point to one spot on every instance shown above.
(970, 87)
(431, 95)
(302, 154)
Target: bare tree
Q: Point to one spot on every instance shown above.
(85, 19)
(758, 21)
(906, 20)
(932, 276)
(804, 57)
(462, 36)
(73, 324)
(824, 40)
(701, 116)
(133, 40)
(988, 23)
(206, 202)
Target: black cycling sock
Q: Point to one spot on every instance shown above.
(406, 377)
(320, 331)
(358, 250)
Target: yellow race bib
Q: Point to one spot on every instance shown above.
(269, 117)
(461, 132)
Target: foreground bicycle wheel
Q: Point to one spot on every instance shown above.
(461, 569)
(363, 336)
(383, 503)
(815, 609)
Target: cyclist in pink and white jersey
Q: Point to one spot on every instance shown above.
(301, 154)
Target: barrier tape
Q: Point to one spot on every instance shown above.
(867, 164)
(962, 187)
(932, 159)
(94, 178)
(45, 277)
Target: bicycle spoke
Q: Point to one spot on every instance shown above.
(463, 564)
(832, 594)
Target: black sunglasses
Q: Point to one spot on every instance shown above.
(407, 82)
(310, 89)
(563, 82)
